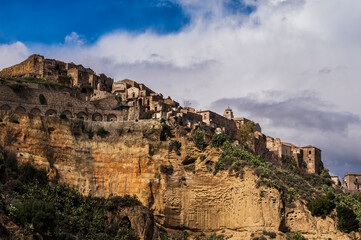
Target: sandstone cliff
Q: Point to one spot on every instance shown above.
(131, 160)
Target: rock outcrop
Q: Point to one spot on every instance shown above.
(131, 160)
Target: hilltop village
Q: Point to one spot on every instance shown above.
(103, 99)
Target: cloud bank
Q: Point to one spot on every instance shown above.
(292, 65)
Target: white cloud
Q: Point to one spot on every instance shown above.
(11, 54)
(289, 46)
(74, 39)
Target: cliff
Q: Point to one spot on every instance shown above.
(133, 159)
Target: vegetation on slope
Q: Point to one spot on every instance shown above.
(293, 183)
(55, 211)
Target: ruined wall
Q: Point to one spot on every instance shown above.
(31, 67)
(129, 160)
(59, 72)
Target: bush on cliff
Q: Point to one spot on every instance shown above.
(321, 206)
(198, 138)
(219, 139)
(347, 221)
(102, 132)
(295, 236)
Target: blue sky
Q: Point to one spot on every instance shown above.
(291, 65)
(48, 21)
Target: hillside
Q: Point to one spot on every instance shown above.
(185, 187)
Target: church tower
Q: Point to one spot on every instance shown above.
(228, 113)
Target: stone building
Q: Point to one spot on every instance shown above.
(36, 66)
(308, 157)
(228, 113)
(135, 94)
(312, 158)
(351, 182)
(279, 148)
(215, 120)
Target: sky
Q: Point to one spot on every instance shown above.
(293, 66)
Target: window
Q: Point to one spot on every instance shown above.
(310, 160)
(309, 152)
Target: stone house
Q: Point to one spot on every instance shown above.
(214, 120)
(351, 182)
(135, 94)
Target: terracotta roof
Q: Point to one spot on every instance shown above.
(357, 174)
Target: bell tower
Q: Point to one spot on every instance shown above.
(228, 113)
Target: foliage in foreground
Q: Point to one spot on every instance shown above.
(347, 208)
(56, 211)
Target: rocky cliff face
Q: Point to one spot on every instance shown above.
(131, 160)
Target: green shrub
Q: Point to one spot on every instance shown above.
(40, 214)
(347, 221)
(162, 120)
(198, 138)
(102, 132)
(90, 134)
(63, 116)
(42, 99)
(272, 235)
(202, 157)
(175, 145)
(321, 206)
(215, 237)
(325, 173)
(219, 139)
(295, 236)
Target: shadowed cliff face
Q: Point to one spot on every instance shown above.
(129, 160)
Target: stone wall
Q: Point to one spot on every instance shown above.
(90, 114)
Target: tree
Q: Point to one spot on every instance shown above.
(198, 138)
(246, 133)
(40, 214)
(347, 221)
